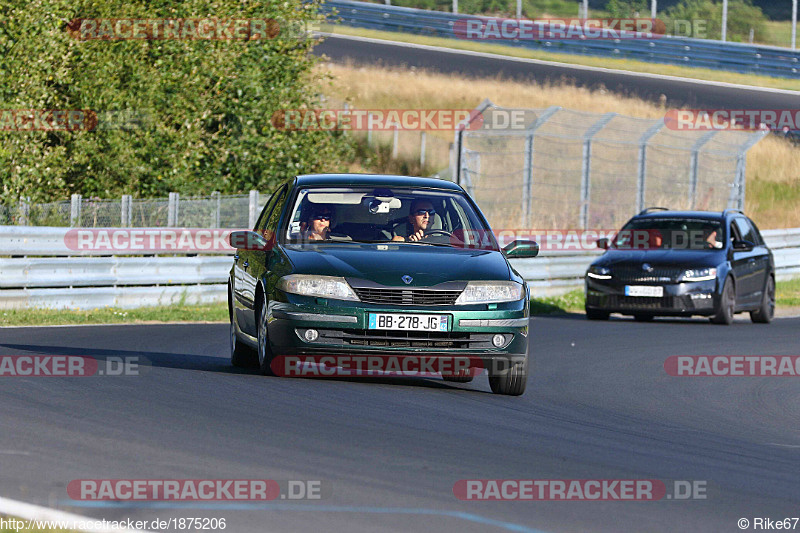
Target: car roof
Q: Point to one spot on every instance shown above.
(376, 180)
(709, 215)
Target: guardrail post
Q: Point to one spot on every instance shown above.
(586, 168)
(527, 178)
(642, 163)
(75, 210)
(172, 212)
(24, 210)
(695, 162)
(422, 139)
(126, 208)
(253, 212)
(217, 207)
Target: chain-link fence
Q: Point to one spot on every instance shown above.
(574, 169)
(213, 211)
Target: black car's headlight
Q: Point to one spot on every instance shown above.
(490, 292)
(599, 272)
(698, 274)
(333, 287)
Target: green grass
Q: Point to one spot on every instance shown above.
(110, 315)
(621, 64)
(787, 293)
(571, 302)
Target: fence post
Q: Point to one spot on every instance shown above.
(253, 213)
(172, 213)
(422, 140)
(586, 168)
(642, 164)
(458, 140)
(527, 178)
(217, 207)
(695, 161)
(75, 210)
(126, 210)
(741, 170)
(24, 210)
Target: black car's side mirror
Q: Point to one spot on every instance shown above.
(520, 248)
(602, 243)
(248, 240)
(743, 246)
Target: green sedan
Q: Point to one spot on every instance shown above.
(382, 267)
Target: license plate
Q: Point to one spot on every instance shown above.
(404, 322)
(644, 290)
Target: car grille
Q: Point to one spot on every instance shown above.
(407, 296)
(634, 273)
(614, 301)
(405, 339)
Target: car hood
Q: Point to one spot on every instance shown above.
(387, 263)
(677, 258)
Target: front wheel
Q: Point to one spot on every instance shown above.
(727, 304)
(764, 314)
(508, 377)
(264, 351)
(241, 355)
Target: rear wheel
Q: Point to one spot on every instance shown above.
(509, 378)
(595, 314)
(264, 351)
(727, 304)
(764, 314)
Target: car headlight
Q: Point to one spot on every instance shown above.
(319, 286)
(599, 272)
(489, 292)
(699, 274)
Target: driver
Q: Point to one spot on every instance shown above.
(419, 218)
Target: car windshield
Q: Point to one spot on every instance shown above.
(387, 214)
(670, 233)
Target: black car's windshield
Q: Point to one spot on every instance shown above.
(386, 214)
(671, 233)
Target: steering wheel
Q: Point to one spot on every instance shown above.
(437, 232)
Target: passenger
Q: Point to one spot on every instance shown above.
(420, 217)
(318, 225)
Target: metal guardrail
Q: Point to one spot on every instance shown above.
(129, 282)
(735, 57)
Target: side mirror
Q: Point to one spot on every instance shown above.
(602, 243)
(247, 240)
(520, 248)
(744, 246)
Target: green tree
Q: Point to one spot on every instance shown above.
(627, 8)
(203, 106)
(742, 16)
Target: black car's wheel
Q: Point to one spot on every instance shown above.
(764, 314)
(727, 304)
(508, 378)
(643, 318)
(241, 355)
(595, 314)
(264, 351)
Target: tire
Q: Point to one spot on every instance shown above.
(595, 314)
(265, 355)
(764, 314)
(508, 378)
(643, 318)
(727, 304)
(242, 356)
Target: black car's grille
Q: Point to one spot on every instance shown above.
(634, 273)
(614, 301)
(407, 296)
(405, 339)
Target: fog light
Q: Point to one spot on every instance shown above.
(311, 335)
(701, 296)
(498, 340)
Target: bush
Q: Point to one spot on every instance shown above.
(200, 109)
(742, 15)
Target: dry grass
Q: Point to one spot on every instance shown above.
(773, 165)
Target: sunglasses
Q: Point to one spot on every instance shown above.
(421, 212)
(323, 217)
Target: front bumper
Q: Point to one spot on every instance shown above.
(680, 299)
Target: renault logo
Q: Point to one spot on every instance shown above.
(646, 267)
(407, 279)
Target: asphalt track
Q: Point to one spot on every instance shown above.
(599, 405)
(680, 92)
